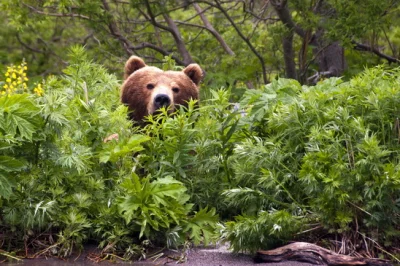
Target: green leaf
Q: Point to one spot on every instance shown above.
(19, 115)
(113, 151)
(202, 226)
(6, 185)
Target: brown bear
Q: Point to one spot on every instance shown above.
(147, 88)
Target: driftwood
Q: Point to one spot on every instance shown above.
(306, 252)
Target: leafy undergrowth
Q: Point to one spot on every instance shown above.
(320, 161)
(287, 162)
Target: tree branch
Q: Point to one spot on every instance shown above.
(153, 19)
(44, 52)
(128, 46)
(114, 30)
(252, 48)
(263, 9)
(55, 14)
(156, 48)
(367, 48)
(173, 29)
(28, 47)
(212, 30)
(286, 18)
(187, 58)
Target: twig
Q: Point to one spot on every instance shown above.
(8, 255)
(55, 14)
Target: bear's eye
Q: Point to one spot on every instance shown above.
(150, 86)
(176, 90)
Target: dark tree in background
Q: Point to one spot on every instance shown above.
(321, 30)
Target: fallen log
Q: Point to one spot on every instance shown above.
(306, 252)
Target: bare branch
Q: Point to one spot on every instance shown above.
(367, 48)
(152, 18)
(56, 14)
(28, 47)
(114, 30)
(173, 29)
(187, 58)
(263, 9)
(128, 46)
(156, 48)
(241, 35)
(197, 14)
(212, 30)
(318, 75)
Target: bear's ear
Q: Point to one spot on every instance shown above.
(134, 63)
(194, 72)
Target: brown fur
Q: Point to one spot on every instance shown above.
(139, 96)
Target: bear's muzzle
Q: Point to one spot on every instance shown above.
(161, 100)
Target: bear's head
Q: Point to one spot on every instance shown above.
(146, 88)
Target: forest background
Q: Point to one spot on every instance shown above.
(297, 136)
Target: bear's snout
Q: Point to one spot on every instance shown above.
(162, 100)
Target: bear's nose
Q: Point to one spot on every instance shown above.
(162, 100)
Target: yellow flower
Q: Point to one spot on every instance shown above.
(38, 90)
(15, 80)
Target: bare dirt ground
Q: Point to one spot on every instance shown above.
(216, 256)
(221, 256)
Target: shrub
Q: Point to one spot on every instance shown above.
(60, 185)
(286, 159)
(326, 154)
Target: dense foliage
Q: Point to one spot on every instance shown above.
(285, 162)
(61, 185)
(263, 160)
(323, 156)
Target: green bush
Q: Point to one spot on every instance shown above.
(286, 159)
(61, 185)
(327, 155)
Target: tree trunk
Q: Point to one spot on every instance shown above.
(288, 56)
(329, 56)
(331, 62)
(287, 42)
(306, 252)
